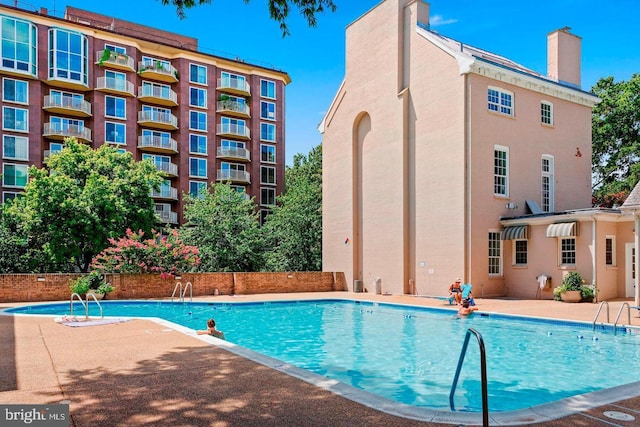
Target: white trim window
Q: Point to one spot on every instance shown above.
(267, 153)
(115, 106)
(15, 91)
(267, 196)
(19, 45)
(198, 189)
(610, 251)
(500, 101)
(15, 147)
(267, 89)
(501, 171)
(10, 195)
(495, 253)
(546, 113)
(68, 56)
(198, 120)
(115, 133)
(268, 132)
(567, 251)
(267, 110)
(267, 175)
(198, 74)
(520, 252)
(547, 189)
(197, 97)
(115, 49)
(197, 143)
(197, 167)
(14, 175)
(15, 119)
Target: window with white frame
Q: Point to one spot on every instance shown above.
(115, 133)
(228, 144)
(116, 80)
(267, 89)
(156, 90)
(495, 253)
(14, 175)
(567, 251)
(610, 251)
(156, 138)
(197, 74)
(68, 56)
(15, 119)
(8, 196)
(546, 113)
(197, 167)
(520, 252)
(156, 113)
(19, 42)
(66, 99)
(500, 101)
(115, 49)
(264, 213)
(114, 106)
(161, 162)
(64, 124)
(267, 110)
(233, 80)
(15, 147)
(198, 120)
(198, 189)
(500, 171)
(547, 183)
(197, 144)
(197, 97)
(267, 153)
(159, 64)
(267, 196)
(268, 132)
(15, 91)
(239, 189)
(267, 175)
(55, 147)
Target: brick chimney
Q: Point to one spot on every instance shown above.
(563, 57)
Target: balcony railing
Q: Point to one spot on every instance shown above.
(117, 86)
(115, 60)
(158, 95)
(167, 217)
(170, 169)
(47, 154)
(240, 87)
(158, 119)
(233, 175)
(158, 144)
(231, 129)
(158, 70)
(233, 108)
(165, 193)
(234, 153)
(60, 131)
(66, 105)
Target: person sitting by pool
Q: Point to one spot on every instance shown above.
(455, 291)
(211, 330)
(465, 309)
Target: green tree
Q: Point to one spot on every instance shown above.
(616, 137)
(14, 244)
(224, 226)
(278, 9)
(86, 197)
(294, 229)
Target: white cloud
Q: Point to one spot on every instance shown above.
(438, 20)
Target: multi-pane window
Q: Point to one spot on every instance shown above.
(546, 113)
(55, 147)
(115, 106)
(500, 171)
(267, 110)
(267, 175)
(15, 91)
(8, 196)
(158, 64)
(160, 162)
(18, 45)
(156, 114)
(547, 183)
(63, 124)
(568, 251)
(16, 119)
(197, 97)
(235, 126)
(264, 213)
(197, 167)
(198, 120)
(66, 99)
(15, 147)
(198, 189)
(197, 144)
(68, 56)
(267, 196)
(495, 253)
(115, 133)
(267, 153)
(115, 49)
(233, 80)
(610, 251)
(228, 144)
(156, 138)
(14, 175)
(156, 90)
(520, 250)
(268, 132)
(500, 101)
(267, 89)
(197, 74)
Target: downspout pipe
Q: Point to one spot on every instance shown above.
(594, 256)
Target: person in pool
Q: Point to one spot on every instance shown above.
(211, 330)
(465, 309)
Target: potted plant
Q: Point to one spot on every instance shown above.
(79, 286)
(570, 290)
(97, 284)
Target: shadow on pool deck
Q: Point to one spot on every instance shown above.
(143, 373)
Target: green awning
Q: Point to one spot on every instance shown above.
(563, 229)
(515, 232)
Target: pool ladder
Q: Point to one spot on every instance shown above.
(181, 292)
(85, 305)
(615, 322)
(483, 375)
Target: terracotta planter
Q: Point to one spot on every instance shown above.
(571, 296)
(98, 296)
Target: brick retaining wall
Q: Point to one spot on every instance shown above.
(55, 287)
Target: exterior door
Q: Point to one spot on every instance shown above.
(630, 270)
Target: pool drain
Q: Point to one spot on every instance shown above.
(619, 416)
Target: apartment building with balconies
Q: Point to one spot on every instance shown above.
(200, 118)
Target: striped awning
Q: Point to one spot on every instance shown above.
(515, 232)
(563, 229)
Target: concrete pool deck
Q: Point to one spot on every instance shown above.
(142, 372)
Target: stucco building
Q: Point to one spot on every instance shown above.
(198, 117)
(442, 160)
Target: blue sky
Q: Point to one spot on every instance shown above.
(314, 57)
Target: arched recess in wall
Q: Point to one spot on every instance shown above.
(361, 128)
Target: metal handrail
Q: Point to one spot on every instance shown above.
(86, 313)
(618, 316)
(178, 285)
(483, 375)
(75, 294)
(189, 286)
(598, 313)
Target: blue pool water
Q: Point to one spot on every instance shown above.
(409, 354)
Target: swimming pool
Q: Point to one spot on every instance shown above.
(409, 354)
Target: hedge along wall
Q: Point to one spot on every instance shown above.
(55, 287)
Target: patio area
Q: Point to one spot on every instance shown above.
(145, 373)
